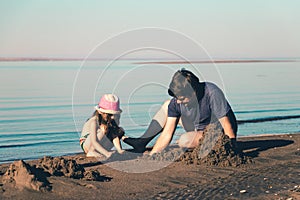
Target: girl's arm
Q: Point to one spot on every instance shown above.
(94, 140)
(118, 146)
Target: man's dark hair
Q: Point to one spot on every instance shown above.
(184, 83)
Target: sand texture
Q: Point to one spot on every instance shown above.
(262, 167)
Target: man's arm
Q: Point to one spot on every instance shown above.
(227, 127)
(166, 136)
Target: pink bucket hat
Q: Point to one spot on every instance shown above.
(109, 103)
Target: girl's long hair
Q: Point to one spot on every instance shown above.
(109, 124)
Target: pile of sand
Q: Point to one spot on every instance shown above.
(59, 166)
(22, 175)
(215, 148)
(223, 154)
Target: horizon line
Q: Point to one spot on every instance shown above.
(155, 60)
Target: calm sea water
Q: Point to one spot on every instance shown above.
(43, 105)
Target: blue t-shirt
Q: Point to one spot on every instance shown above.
(211, 107)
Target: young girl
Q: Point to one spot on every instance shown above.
(101, 132)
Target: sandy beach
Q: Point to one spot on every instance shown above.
(273, 173)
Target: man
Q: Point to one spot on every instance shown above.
(194, 105)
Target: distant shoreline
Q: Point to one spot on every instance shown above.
(38, 59)
(217, 61)
(159, 61)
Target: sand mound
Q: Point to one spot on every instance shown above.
(24, 176)
(216, 148)
(60, 166)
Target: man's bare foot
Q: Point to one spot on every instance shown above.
(93, 154)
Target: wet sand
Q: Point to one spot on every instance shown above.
(273, 173)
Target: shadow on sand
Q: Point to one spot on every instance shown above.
(253, 148)
(127, 155)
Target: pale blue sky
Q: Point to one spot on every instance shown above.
(227, 29)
